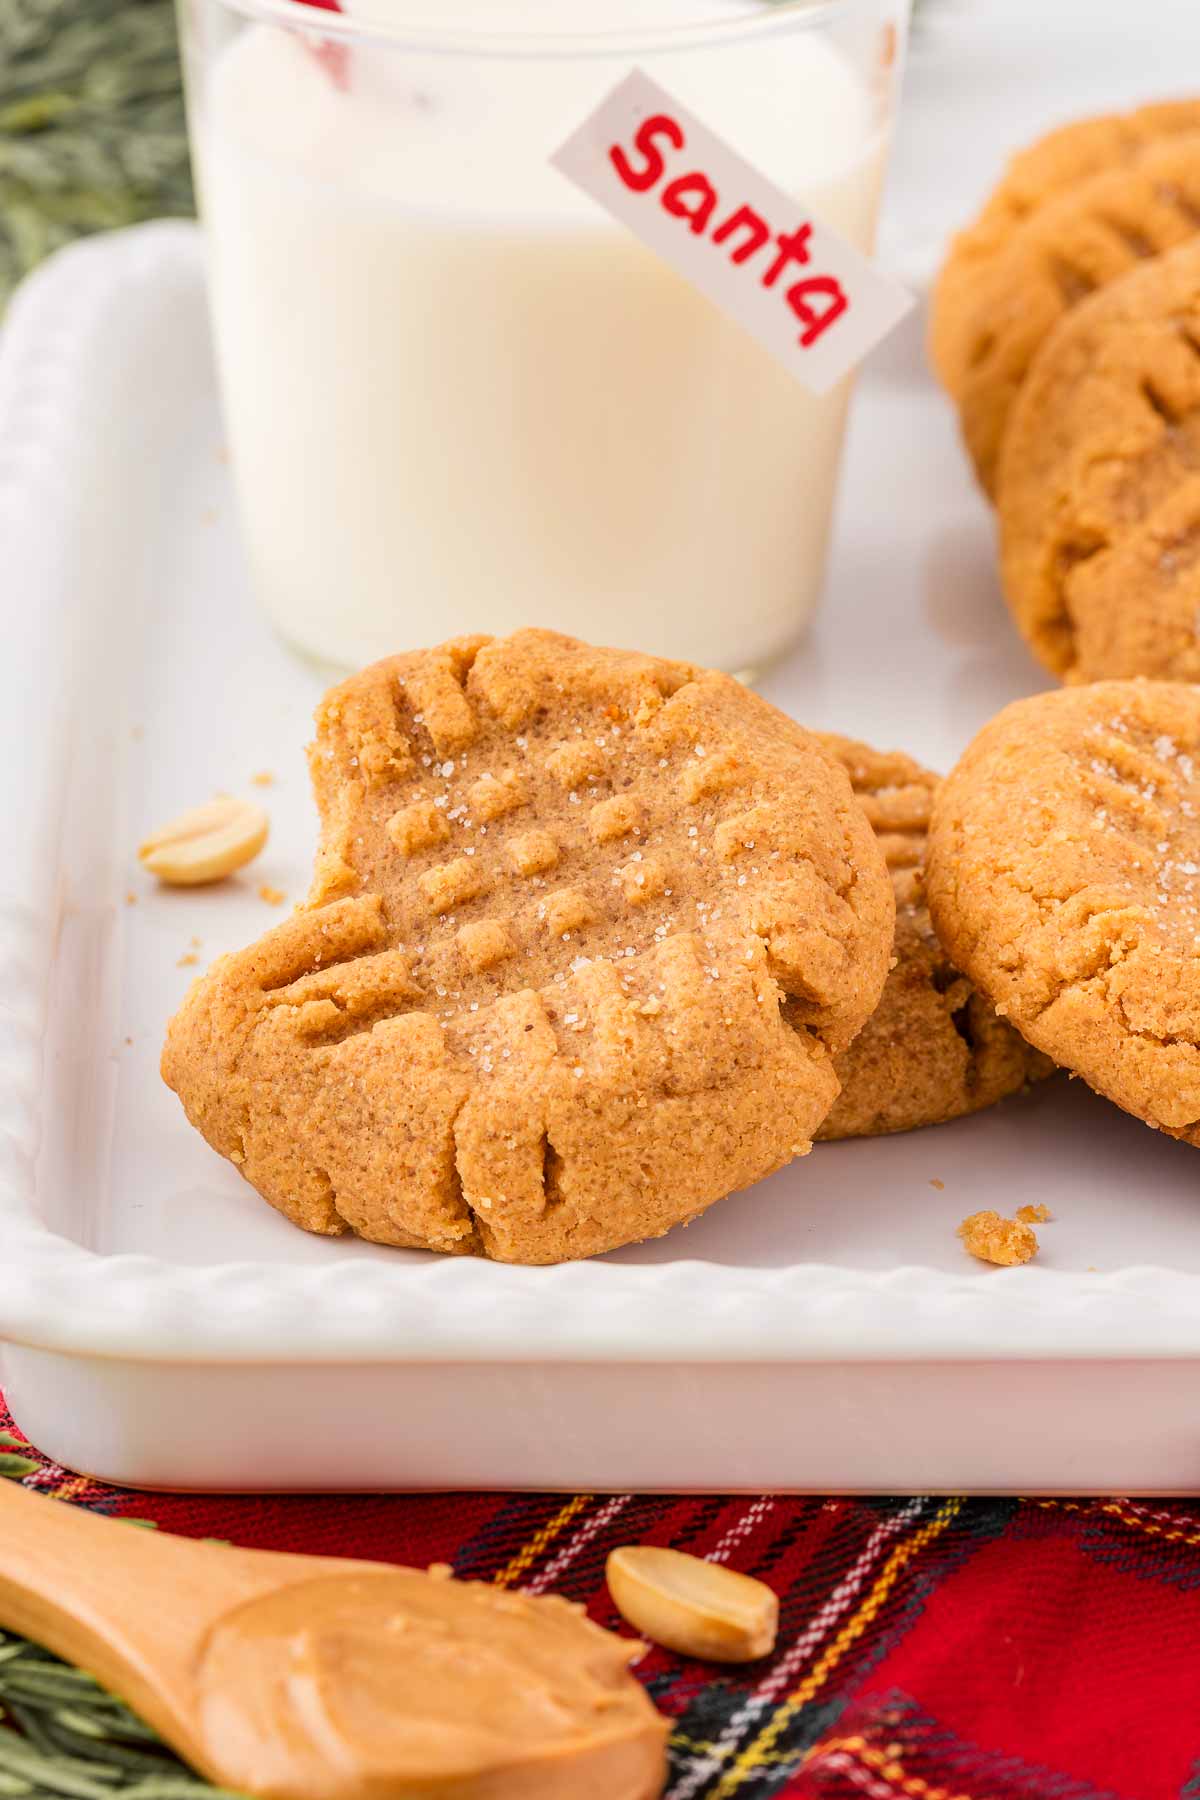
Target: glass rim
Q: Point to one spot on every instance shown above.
(776, 18)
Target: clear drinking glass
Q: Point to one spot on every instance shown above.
(459, 396)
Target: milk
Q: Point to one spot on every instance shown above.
(460, 398)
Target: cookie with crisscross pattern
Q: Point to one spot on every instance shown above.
(586, 932)
(1063, 877)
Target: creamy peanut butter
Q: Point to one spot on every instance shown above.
(406, 1684)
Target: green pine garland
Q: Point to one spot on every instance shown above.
(64, 1738)
(91, 124)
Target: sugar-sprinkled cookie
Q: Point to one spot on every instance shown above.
(533, 1007)
(1063, 876)
(933, 1049)
(1100, 497)
(1074, 213)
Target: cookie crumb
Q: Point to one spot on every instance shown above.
(263, 778)
(935, 1183)
(187, 960)
(1037, 1214)
(131, 898)
(272, 895)
(996, 1240)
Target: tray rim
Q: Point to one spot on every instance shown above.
(57, 1295)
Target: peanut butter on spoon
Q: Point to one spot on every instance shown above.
(314, 1678)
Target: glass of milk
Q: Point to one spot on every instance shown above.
(459, 396)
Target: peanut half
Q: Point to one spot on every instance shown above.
(206, 843)
(696, 1608)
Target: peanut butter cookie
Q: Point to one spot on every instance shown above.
(933, 1049)
(1064, 878)
(533, 1007)
(1035, 175)
(1100, 497)
(1113, 193)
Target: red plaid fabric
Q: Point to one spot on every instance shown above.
(929, 1649)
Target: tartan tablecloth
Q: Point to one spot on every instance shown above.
(929, 1648)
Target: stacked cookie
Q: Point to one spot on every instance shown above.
(1066, 327)
(934, 1048)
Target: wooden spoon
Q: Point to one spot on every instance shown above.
(319, 1678)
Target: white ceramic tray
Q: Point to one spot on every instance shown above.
(163, 1326)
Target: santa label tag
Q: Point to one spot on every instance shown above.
(806, 294)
